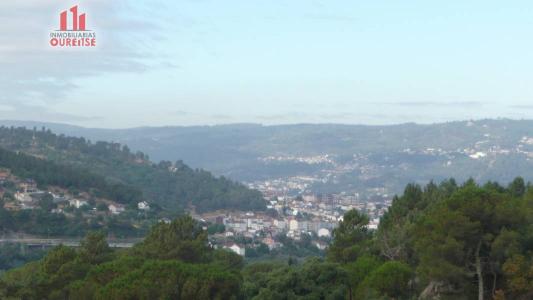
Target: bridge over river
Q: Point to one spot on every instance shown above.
(69, 242)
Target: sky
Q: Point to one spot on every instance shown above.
(198, 62)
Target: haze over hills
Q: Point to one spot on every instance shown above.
(334, 158)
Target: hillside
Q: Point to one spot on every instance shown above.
(440, 241)
(42, 197)
(333, 158)
(173, 186)
(46, 173)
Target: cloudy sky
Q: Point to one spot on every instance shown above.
(211, 62)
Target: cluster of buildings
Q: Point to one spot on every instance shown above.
(482, 149)
(324, 171)
(315, 216)
(27, 195)
(300, 211)
(312, 160)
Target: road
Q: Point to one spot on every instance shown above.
(51, 242)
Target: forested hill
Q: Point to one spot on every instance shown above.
(440, 241)
(47, 173)
(172, 185)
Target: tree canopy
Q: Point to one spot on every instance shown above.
(440, 241)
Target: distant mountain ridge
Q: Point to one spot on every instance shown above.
(340, 157)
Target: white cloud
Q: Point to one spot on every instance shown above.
(33, 74)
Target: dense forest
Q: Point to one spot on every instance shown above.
(441, 241)
(116, 172)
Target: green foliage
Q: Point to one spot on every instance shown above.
(226, 259)
(443, 241)
(292, 248)
(174, 262)
(314, 279)
(182, 239)
(15, 255)
(390, 279)
(463, 229)
(94, 248)
(216, 228)
(517, 188)
(394, 236)
(519, 272)
(102, 207)
(44, 223)
(6, 219)
(21, 283)
(47, 202)
(351, 238)
(357, 271)
(56, 258)
(172, 280)
(460, 240)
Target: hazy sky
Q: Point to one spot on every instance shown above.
(212, 62)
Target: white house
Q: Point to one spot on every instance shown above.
(77, 203)
(58, 198)
(165, 220)
(57, 211)
(293, 225)
(28, 186)
(271, 243)
(373, 224)
(143, 205)
(236, 248)
(280, 224)
(321, 245)
(23, 197)
(324, 232)
(116, 208)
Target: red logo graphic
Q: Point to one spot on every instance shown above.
(78, 22)
(77, 35)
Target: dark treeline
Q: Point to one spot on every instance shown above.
(441, 241)
(16, 255)
(173, 186)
